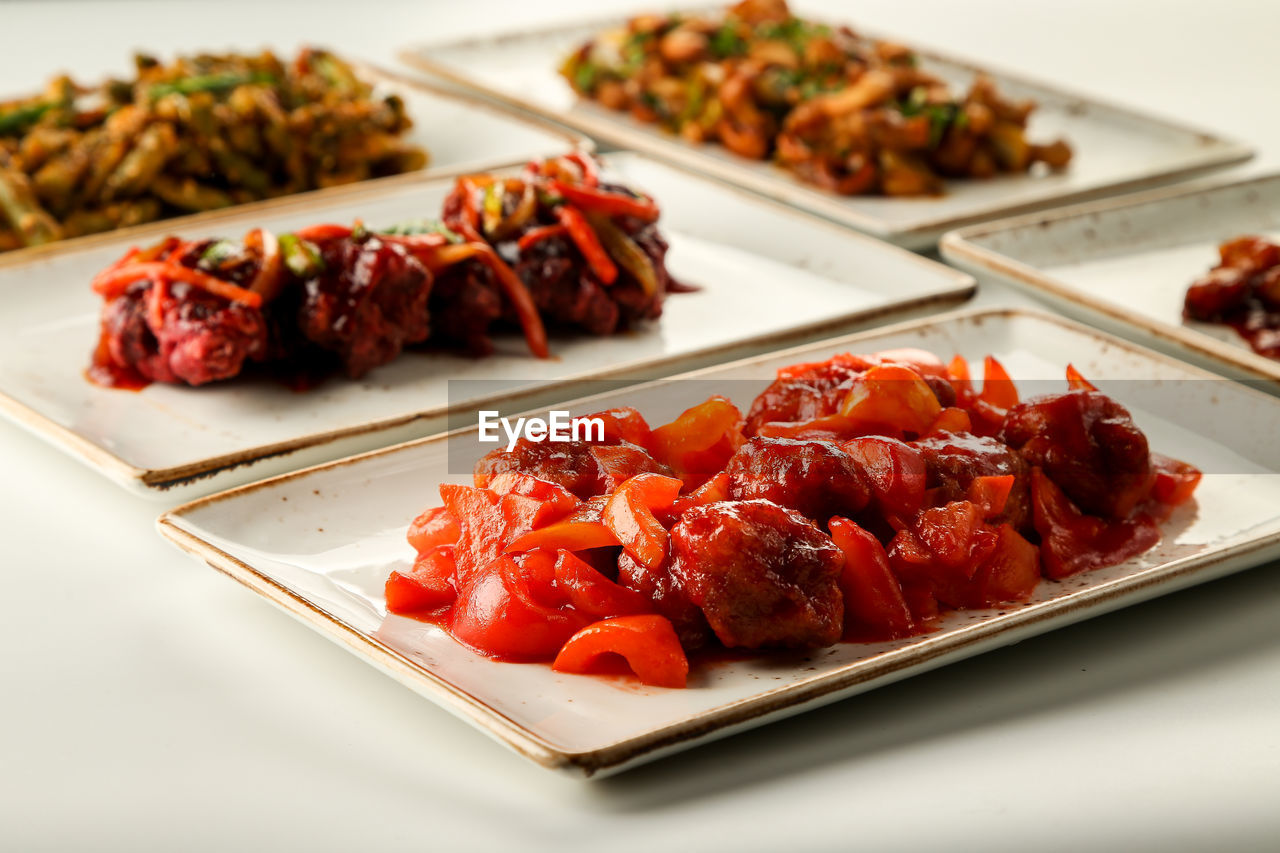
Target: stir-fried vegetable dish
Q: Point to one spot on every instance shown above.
(552, 247)
(846, 113)
(199, 133)
(858, 499)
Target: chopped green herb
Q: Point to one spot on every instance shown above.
(19, 118)
(302, 258)
(219, 251)
(725, 42)
(423, 226)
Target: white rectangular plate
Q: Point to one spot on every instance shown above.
(1126, 264)
(459, 133)
(767, 273)
(320, 543)
(1116, 148)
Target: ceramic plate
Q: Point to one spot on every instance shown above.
(1126, 264)
(1116, 148)
(766, 273)
(459, 133)
(319, 543)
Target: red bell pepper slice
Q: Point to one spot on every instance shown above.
(115, 282)
(700, 441)
(625, 423)
(619, 463)
(1077, 382)
(584, 237)
(713, 490)
(998, 390)
(629, 515)
(594, 594)
(1175, 481)
(1072, 542)
(605, 202)
(534, 236)
(895, 470)
(950, 419)
(510, 610)
(587, 163)
(991, 493)
(429, 585)
(436, 526)
(647, 642)
(555, 501)
(874, 608)
(1010, 573)
(569, 535)
(891, 399)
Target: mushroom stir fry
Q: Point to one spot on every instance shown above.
(199, 133)
(848, 114)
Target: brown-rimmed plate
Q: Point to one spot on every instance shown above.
(319, 543)
(1126, 264)
(767, 275)
(1116, 148)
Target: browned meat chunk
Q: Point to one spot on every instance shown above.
(1088, 445)
(201, 337)
(762, 575)
(954, 460)
(369, 303)
(815, 478)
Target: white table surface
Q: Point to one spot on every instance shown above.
(150, 704)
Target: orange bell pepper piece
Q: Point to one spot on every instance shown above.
(629, 515)
(891, 398)
(874, 608)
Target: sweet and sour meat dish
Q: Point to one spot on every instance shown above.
(1242, 292)
(845, 113)
(553, 248)
(858, 500)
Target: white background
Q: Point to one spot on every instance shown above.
(149, 703)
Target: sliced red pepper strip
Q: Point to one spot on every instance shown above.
(629, 514)
(1175, 481)
(950, 419)
(991, 493)
(506, 610)
(896, 472)
(608, 203)
(998, 389)
(535, 334)
(961, 380)
(584, 237)
(1077, 382)
(874, 608)
(594, 594)
(323, 233)
(713, 490)
(435, 527)
(569, 535)
(429, 585)
(116, 282)
(647, 642)
(534, 236)
(587, 163)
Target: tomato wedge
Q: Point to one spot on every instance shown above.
(647, 642)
